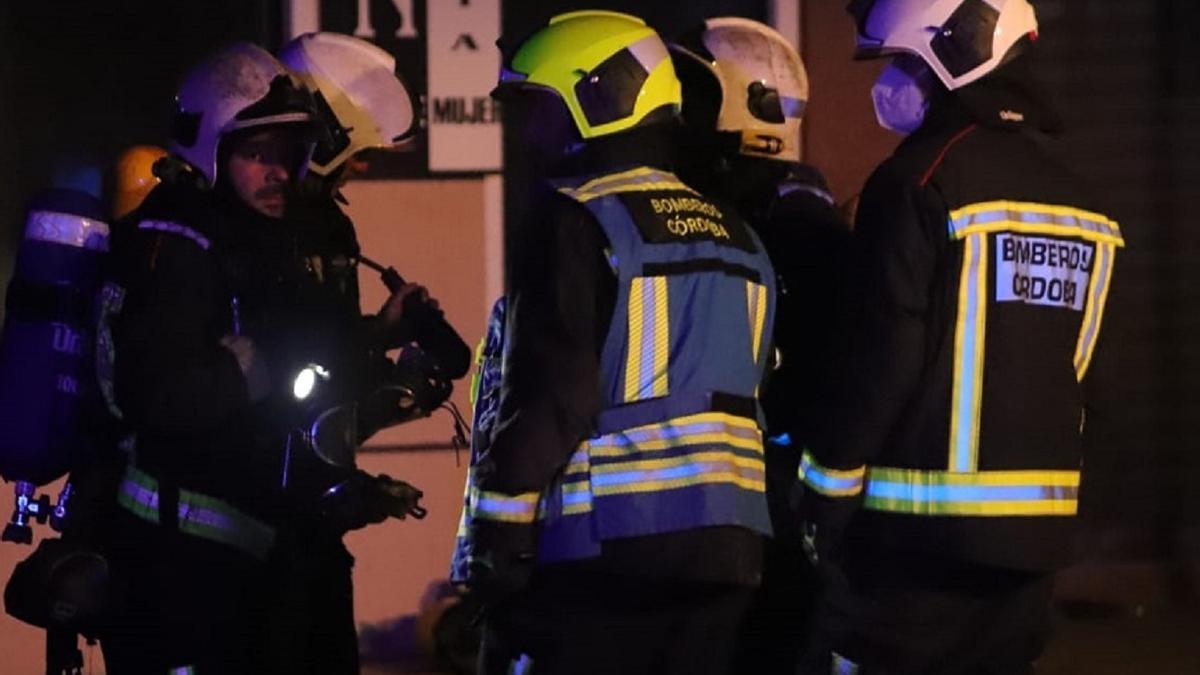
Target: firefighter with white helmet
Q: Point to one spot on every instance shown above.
(360, 104)
(942, 484)
(215, 312)
(358, 95)
(745, 91)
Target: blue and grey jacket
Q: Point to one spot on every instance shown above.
(677, 444)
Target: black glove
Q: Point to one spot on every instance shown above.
(363, 499)
(823, 523)
(503, 562)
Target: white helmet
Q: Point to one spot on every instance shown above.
(358, 95)
(761, 85)
(239, 87)
(960, 40)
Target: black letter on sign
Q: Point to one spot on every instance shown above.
(465, 39)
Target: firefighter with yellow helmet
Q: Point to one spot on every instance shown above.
(618, 508)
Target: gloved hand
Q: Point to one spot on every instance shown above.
(399, 309)
(823, 524)
(251, 363)
(503, 562)
(363, 499)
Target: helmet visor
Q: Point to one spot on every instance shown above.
(610, 91)
(283, 102)
(877, 21)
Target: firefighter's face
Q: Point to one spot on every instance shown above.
(261, 165)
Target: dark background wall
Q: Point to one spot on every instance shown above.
(83, 80)
(1128, 76)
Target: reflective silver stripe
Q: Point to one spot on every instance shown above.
(1030, 217)
(788, 188)
(182, 670)
(138, 492)
(509, 75)
(793, 107)
(649, 51)
(497, 506)
(199, 515)
(841, 665)
(176, 228)
(67, 229)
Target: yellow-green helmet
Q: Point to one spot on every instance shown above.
(611, 70)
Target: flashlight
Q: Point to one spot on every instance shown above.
(306, 381)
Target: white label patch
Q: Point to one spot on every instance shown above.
(1040, 271)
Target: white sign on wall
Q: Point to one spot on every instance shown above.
(463, 62)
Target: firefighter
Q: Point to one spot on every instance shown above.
(943, 488)
(216, 319)
(362, 105)
(745, 90)
(618, 507)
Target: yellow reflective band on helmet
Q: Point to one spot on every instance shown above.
(573, 45)
(1093, 313)
(969, 340)
(830, 482)
(497, 506)
(986, 493)
(649, 340)
(641, 179)
(1034, 218)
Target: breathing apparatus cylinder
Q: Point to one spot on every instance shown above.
(47, 343)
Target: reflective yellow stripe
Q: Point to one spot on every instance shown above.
(701, 429)
(969, 342)
(710, 464)
(477, 374)
(600, 182)
(649, 339)
(830, 482)
(1093, 313)
(635, 180)
(986, 493)
(577, 493)
(618, 448)
(1034, 218)
(756, 303)
(633, 361)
